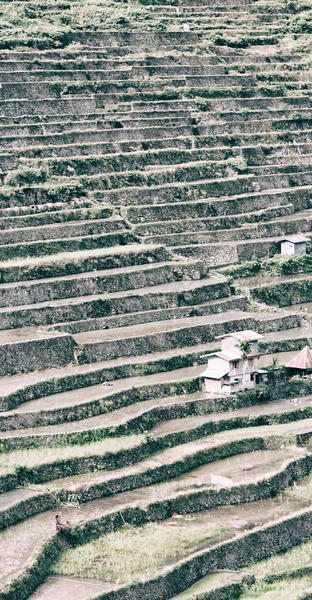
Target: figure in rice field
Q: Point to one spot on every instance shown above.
(61, 526)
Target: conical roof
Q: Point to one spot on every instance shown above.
(303, 360)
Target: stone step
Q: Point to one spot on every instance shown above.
(223, 188)
(227, 20)
(101, 120)
(235, 466)
(129, 130)
(219, 142)
(223, 144)
(52, 107)
(28, 349)
(155, 414)
(108, 163)
(100, 73)
(261, 125)
(75, 243)
(213, 223)
(67, 208)
(125, 188)
(113, 56)
(92, 121)
(226, 17)
(99, 282)
(281, 158)
(85, 60)
(56, 218)
(286, 291)
(110, 344)
(158, 185)
(75, 405)
(196, 88)
(218, 122)
(235, 549)
(83, 261)
(20, 70)
(18, 389)
(90, 145)
(130, 319)
(90, 51)
(153, 176)
(279, 136)
(146, 338)
(203, 209)
(206, 9)
(116, 307)
(101, 135)
(273, 114)
(218, 583)
(101, 399)
(263, 230)
(40, 90)
(106, 70)
(59, 231)
(138, 40)
(225, 104)
(84, 105)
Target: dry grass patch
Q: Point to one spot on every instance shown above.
(137, 554)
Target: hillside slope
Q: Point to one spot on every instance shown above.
(152, 158)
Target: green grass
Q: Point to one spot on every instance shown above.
(290, 589)
(297, 558)
(36, 457)
(269, 269)
(134, 554)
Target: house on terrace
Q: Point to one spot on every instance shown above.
(235, 367)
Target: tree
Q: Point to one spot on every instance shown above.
(274, 364)
(245, 348)
(272, 368)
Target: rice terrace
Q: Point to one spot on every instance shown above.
(155, 299)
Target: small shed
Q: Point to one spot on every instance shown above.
(294, 245)
(301, 364)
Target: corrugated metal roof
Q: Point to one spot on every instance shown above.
(227, 355)
(297, 238)
(303, 360)
(247, 335)
(214, 374)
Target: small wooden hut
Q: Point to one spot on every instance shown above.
(301, 364)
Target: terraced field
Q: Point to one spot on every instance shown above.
(152, 158)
